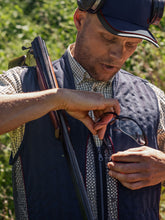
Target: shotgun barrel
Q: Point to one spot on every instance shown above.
(47, 80)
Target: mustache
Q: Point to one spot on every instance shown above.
(110, 62)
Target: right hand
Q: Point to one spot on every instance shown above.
(18, 109)
(79, 103)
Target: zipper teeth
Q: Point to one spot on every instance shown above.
(100, 158)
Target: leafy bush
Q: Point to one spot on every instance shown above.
(148, 61)
(22, 21)
(6, 199)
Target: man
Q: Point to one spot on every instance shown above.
(122, 173)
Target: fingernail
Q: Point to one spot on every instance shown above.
(109, 166)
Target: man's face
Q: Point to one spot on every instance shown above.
(101, 53)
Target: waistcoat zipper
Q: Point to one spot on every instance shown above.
(100, 159)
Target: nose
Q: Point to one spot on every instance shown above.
(116, 51)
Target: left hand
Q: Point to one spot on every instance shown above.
(138, 167)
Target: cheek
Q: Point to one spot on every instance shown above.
(96, 46)
(127, 55)
(130, 51)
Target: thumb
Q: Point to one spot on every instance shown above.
(104, 120)
(89, 123)
(101, 132)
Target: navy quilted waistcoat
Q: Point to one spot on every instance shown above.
(49, 189)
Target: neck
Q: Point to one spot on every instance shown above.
(72, 49)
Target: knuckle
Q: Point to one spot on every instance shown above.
(128, 185)
(148, 178)
(132, 178)
(124, 177)
(132, 187)
(148, 169)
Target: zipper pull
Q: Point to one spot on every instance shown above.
(100, 156)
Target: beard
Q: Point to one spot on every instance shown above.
(87, 57)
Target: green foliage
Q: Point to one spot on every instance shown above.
(148, 61)
(162, 204)
(6, 199)
(21, 22)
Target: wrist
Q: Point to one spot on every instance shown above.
(57, 98)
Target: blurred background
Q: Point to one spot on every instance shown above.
(20, 22)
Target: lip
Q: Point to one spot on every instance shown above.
(108, 67)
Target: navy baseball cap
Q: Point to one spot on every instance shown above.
(128, 18)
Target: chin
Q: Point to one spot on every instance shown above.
(104, 77)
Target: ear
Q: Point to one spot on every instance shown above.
(79, 18)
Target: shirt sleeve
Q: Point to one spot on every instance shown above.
(161, 127)
(10, 83)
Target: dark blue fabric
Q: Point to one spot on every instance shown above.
(48, 183)
(49, 189)
(137, 101)
(135, 12)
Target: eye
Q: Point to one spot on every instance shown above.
(131, 45)
(108, 39)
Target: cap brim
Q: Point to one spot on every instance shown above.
(126, 29)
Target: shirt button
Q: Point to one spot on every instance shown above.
(95, 89)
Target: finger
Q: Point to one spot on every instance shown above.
(135, 185)
(97, 114)
(126, 167)
(137, 149)
(126, 156)
(104, 119)
(99, 126)
(109, 105)
(127, 178)
(132, 155)
(115, 105)
(101, 132)
(89, 123)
